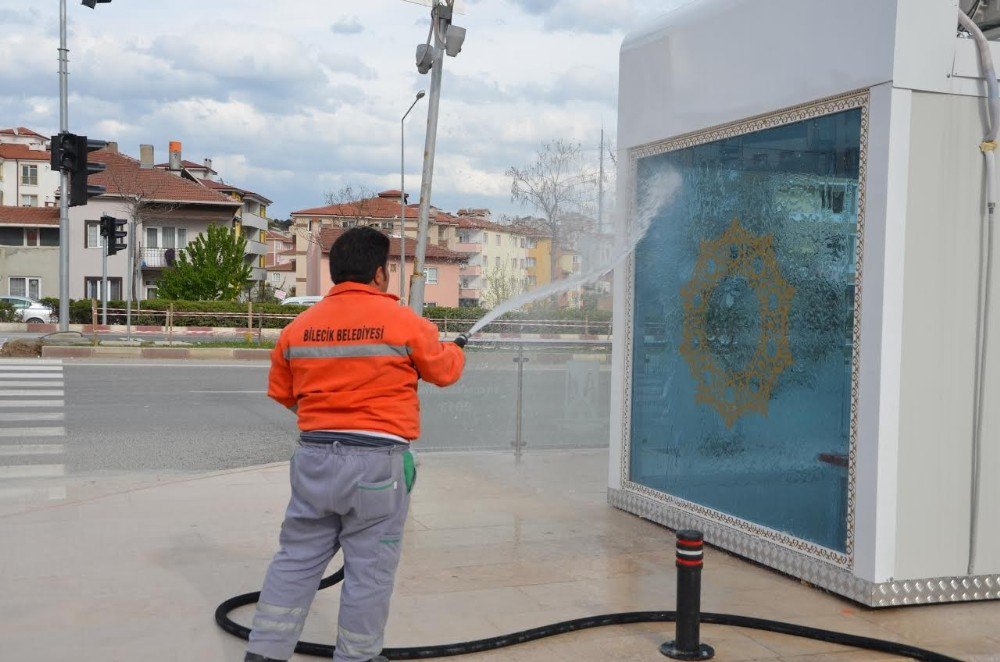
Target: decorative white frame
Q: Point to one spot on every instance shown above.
(734, 533)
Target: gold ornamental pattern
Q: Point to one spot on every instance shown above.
(737, 253)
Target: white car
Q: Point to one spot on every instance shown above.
(29, 310)
(301, 301)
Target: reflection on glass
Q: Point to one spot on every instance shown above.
(744, 317)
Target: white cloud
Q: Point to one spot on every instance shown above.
(294, 104)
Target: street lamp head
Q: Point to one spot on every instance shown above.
(421, 94)
(92, 3)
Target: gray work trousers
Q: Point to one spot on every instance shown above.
(346, 497)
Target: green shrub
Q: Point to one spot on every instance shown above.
(7, 313)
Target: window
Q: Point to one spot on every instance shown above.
(29, 200)
(50, 237)
(522, 263)
(464, 237)
(530, 262)
(532, 243)
(93, 238)
(30, 236)
(29, 175)
(531, 281)
(513, 263)
(92, 288)
(275, 277)
(26, 287)
(431, 274)
(522, 242)
(11, 236)
(486, 237)
(498, 240)
(166, 237)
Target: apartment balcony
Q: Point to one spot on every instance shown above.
(468, 248)
(256, 247)
(254, 221)
(158, 258)
(471, 270)
(468, 293)
(258, 274)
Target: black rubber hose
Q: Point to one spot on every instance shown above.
(480, 645)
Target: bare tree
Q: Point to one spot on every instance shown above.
(357, 202)
(501, 284)
(560, 188)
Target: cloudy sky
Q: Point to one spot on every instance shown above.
(295, 99)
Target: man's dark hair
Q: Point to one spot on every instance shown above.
(357, 254)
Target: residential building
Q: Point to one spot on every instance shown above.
(29, 252)
(251, 219)
(280, 248)
(498, 258)
(281, 276)
(26, 178)
(167, 211)
(442, 267)
(382, 211)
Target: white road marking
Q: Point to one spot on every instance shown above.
(33, 416)
(33, 471)
(32, 449)
(55, 374)
(38, 362)
(257, 365)
(28, 384)
(30, 368)
(227, 391)
(57, 493)
(31, 393)
(19, 404)
(33, 432)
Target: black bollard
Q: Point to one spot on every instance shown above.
(690, 558)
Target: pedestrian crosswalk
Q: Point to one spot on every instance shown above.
(32, 421)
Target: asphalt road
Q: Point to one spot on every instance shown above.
(97, 416)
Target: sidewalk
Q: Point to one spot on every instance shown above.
(490, 548)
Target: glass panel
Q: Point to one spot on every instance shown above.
(11, 236)
(169, 237)
(30, 236)
(34, 288)
(152, 238)
(744, 314)
(17, 289)
(50, 237)
(182, 237)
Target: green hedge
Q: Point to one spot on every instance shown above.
(7, 313)
(150, 313)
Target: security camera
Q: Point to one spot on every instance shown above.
(425, 58)
(454, 37)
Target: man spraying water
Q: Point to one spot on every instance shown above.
(348, 367)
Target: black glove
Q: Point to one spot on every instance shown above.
(461, 340)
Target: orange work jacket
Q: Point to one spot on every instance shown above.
(352, 361)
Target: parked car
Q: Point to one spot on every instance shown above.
(29, 310)
(301, 301)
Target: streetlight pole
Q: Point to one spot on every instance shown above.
(64, 175)
(444, 38)
(402, 199)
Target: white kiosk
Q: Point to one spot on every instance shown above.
(796, 338)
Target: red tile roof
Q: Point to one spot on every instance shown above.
(190, 165)
(479, 223)
(219, 186)
(48, 216)
(382, 207)
(274, 235)
(21, 131)
(22, 152)
(434, 253)
(124, 177)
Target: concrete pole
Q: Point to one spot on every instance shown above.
(402, 208)
(430, 142)
(64, 176)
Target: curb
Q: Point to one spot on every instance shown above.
(232, 353)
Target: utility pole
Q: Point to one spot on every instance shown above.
(64, 174)
(600, 189)
(402, 198)
(444, 38)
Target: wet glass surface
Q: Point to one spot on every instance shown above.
(744, 315)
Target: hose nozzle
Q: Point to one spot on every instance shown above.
(461, 340)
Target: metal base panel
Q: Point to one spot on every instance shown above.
(810, 569)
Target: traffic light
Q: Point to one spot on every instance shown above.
(113, 231)
(69, 155)
(92, 3)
